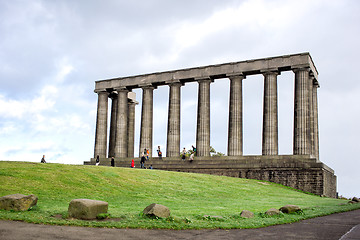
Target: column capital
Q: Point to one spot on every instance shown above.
(147, 86)
(236, 76)
(121, 89)
(298, 68)
(273, 71)
(204, 79)
(174, 82)
(100, 91)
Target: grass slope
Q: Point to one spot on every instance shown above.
(128, 191)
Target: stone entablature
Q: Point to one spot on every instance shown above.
(249, 67)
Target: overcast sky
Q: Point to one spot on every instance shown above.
(52, 52)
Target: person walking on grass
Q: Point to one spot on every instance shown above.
(132, 165)
(112, 162)
(43, 159)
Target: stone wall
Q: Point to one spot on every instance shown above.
(297, 171)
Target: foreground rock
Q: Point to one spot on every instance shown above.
(157, 210)
(246, 214)
(355, 199)
(272, 212)
(290, 209)
(86, 209)
(18, 202)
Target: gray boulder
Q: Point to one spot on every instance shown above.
(290, 209)
(355, 199)
(18, 202)
(86, 208)
(272, 212)
(246, 214)
(157, 210)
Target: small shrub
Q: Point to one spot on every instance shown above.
(102, 216)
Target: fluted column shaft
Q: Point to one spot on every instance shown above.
(203, 119)
(173, 130)
(311, 116)
(235, 131)
(316, 121)
(270, 115)
(146, 129)
(101, 125)
(131, 128)
(112, 137)
(301, 113)
(122, 124)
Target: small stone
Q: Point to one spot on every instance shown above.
(246, 214)
(351, 202)
(18, 202)
(272, 212)
(86, 208)
(290, 209)
(157, 210)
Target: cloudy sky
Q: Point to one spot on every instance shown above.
(52, 52)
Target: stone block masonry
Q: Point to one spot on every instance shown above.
(294, 171)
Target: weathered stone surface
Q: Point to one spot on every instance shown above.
(18, 202)
(290, 209)
(272, 212)
(355, 199)
(247, 214)
(157, 210)
(86, 208)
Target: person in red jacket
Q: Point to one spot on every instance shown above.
(132, 163)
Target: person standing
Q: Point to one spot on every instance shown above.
(194, 149)
(159, 152)
(43, 159)
(97, 162)
(142, 161)
(112, 162)
(132, 165)
(147, 154)
(183, 154)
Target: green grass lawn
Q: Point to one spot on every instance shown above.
(128, 191)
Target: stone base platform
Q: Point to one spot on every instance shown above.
(297, 171)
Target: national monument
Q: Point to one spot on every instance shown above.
(302, 170)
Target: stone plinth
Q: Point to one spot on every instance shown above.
(86, 208)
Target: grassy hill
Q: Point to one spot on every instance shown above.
(128, 191)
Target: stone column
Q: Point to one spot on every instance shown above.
(311, 116)
(270, 115)
(316, 121)
(146, 129)
(235, 132)
(301, 112)
(203, 119)
(121, 146)
(131, 127)
(112, 138)
(101, 125)
(173, 130)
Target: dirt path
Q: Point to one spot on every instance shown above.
(342, 226)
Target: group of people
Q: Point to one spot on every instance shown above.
(192, 154)
(145, 157)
